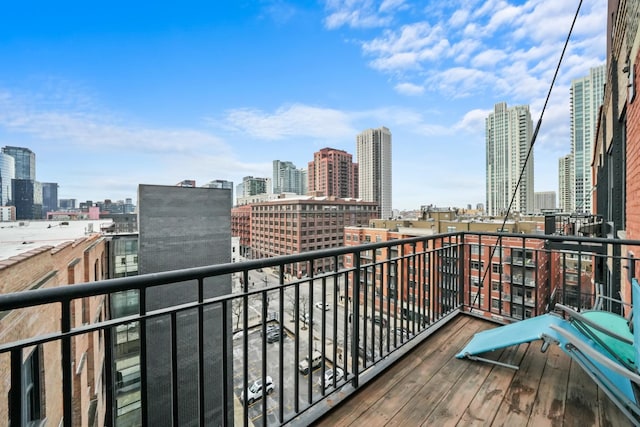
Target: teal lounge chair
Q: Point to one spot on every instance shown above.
(604, 344)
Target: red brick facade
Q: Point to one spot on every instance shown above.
(83, 260)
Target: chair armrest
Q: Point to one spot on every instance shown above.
(596, 355)
(574, 315)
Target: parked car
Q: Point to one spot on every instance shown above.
(326, 306)
(270, 328)
(328, 376)
(273, 335)
(316, 362)
(379, 320)
(254, 392)
(404, 333)
(365, 353)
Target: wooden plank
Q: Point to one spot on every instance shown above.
(480, 409)
(449, 406)
(582, 396)
(519, 400)
(430, 382)
(368, 397)
(610, 414)
(548, 407)
(439, 373)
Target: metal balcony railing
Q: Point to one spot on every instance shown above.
(277, 346)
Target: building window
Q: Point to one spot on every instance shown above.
(33, 410)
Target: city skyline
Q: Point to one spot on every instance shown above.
(109, 100)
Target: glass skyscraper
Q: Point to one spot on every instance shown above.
(587, 94)
(508, 137)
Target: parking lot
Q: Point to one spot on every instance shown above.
(290, 370)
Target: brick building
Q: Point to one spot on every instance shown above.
(291, 226)
(616, 157)
(76, 261)
(508, 275)
(241, 227)
(332, 173)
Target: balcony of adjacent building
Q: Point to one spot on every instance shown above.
(370, 342)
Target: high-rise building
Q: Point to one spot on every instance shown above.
(508, 138)
(251, 186)
(566, 183)
(219, 183)
(288, 179)
(27, 198)
(67, 204)
(544, 201)
(25, 161)
(333, 173)
(7, 173)
(587, 94)
(49, 197)
(373, 152)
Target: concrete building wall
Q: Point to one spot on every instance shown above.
(182, 228)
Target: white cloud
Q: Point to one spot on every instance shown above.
(357, 13)
(42, 116)
(291, 121)
(459, 18)
(488, 58)
(474, 121)
(389, 5)
(497, 38)
(409, 89)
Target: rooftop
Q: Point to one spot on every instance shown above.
(23, 236)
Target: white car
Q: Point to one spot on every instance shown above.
(254, 392)
(326, 306)
(328, 376)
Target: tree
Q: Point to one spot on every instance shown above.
(236, 310)
(292, 306)
(304, 303)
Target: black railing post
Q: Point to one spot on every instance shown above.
(108, 377)
(355, 323)
(144, 393)
(201, 410)
(15, 403)
(67, 376)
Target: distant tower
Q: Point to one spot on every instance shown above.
(288, 179)
(251, 186)
(373, 151)
(49, 197)
(587, 94)
(7, 173)
(333, 173)
(566, 183)
(25, 162)
(508, 137)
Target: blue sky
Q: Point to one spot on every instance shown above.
(113, 94)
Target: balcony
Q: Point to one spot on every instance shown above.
(203, 361)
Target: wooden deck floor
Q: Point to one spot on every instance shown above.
(430, 387)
